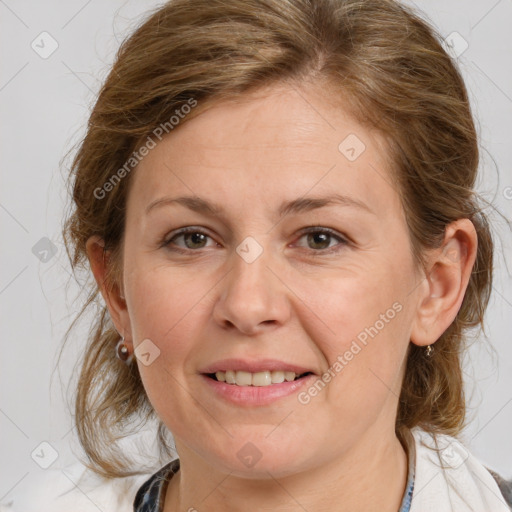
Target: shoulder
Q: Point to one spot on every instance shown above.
(449, 477)
(75, 488)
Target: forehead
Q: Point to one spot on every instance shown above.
(279, 141)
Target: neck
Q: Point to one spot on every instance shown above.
(371, 476)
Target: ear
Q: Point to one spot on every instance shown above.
(113, 294)
(445, 284)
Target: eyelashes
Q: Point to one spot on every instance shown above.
(316, 234)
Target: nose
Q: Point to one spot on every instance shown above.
(253, 297)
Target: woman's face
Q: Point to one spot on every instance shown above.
(251, 289)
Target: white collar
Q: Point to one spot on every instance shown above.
(448, 478)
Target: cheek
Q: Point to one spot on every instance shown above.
(364, 359)
(361, 327)
(345, 308)
(161, 302)
(164, 308)
(167, 309)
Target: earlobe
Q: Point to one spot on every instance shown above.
(445, 283)
(113, 297)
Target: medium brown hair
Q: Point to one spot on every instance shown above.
(380, 54)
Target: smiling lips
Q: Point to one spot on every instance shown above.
(254, 395)
(259, 373)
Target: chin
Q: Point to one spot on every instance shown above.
(261, 459)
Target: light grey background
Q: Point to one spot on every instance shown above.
(44, 105)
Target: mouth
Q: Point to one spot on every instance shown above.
(258, 379)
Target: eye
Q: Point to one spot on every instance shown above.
(194, 238)
(319, 239)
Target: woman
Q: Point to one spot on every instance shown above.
(276, 201)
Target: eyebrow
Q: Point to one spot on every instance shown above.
(302, 204)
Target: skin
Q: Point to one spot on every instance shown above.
(295, 302)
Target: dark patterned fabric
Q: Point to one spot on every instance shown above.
(151, 495)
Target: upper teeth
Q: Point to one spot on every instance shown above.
(241, 378)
